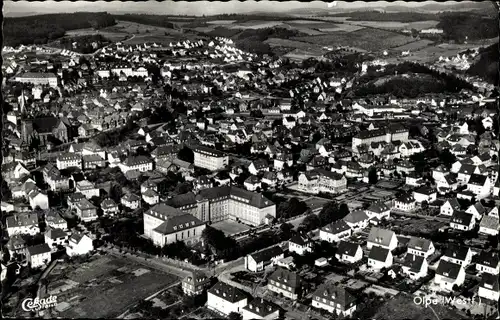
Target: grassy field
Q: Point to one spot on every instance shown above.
(255, 24)
(414, 46)
(275, 42)
(394, 25)
(105, 286)
(368, 39)
(109, 34)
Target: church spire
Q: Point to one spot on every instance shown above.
(22, 105)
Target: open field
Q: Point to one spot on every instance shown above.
(394, 25)
(221, 22)
(368, 39)
(230, 227)
(111, 35)
(341, 27)
(104, 287)
(432, 53)
(294, 44)
(255, 24)
(414, 46)
(299, 54)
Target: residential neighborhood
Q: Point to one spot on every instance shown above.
(198, 179)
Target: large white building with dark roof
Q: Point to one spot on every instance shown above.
(38, 78)
(164, 224)
(226, 202)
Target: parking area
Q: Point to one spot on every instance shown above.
(103, 287)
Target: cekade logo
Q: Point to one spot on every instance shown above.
(37, 304)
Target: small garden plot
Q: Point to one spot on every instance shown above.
(139, 272)
(355, 284)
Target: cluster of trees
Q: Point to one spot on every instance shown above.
(114, 137)
(221, 245)
(42, 28)
(462, 26)
(487, 65)
(83, 43)
(331, 212)
(291, 208)
(401, 87)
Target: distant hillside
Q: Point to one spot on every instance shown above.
(386, 16)
(487, 65)
(407, 80)
(43, 28)
(147, 19)
(461, 26)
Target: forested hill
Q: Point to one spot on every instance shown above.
(487, 65)
(148, 19)
(43, 28)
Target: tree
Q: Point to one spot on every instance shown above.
(343, 210)
(310, 222)
(372, 176)
(234, 316)
(447, 158)
(329, 213)
(286, 230)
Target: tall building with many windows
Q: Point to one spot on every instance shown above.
(226, 202)
(210, 159)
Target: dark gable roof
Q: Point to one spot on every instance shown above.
(378, 207)
(413, 262)
(336, 227)
(356, 216)
(406, 198)
(197, 278)
(477, 179)
(38, 249)
(489, 259)
(425, 190)
(419, 244)
(347, 248)
(378, 253)
(227, 292)
(461, 217)
(261, 307)
(335, 294)
(490, 282)
(267, 254)
(286, 277)
(300, 240)
(448, 269)
(457, 252)
(182, 200)
(380, 236)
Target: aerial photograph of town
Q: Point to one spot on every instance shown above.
(250, 160)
